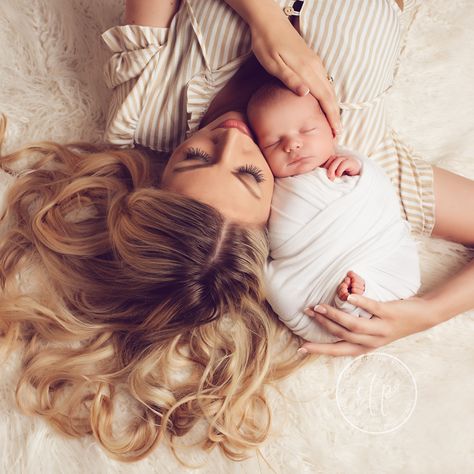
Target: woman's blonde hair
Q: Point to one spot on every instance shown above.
(115, 286)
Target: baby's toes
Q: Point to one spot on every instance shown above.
(355, 279)
(357, 290)
(357, 285)
(343, 291)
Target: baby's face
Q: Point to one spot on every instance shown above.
(292, 132)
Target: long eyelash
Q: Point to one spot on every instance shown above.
(193, 153)
(254, 171)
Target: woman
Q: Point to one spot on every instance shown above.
(339, 32)
(144, 277)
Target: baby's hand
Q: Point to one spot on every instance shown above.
(337, 165)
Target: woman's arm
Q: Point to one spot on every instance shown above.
(254, 12)
(284, 54)
(453, 297)
(150, 12)
(392, 320)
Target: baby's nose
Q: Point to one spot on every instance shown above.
(292, 144)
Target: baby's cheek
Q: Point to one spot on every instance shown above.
(267, 155)
(278, 168)
(273, 164)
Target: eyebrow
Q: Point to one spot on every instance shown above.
(249, 188)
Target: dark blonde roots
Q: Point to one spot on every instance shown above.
(111, 285)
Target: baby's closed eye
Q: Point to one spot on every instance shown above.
(268, 143)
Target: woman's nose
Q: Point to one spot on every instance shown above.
(231, 142)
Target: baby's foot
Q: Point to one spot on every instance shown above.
(352, 284)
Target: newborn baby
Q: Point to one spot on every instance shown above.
(335, 226)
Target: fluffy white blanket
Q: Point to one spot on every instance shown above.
(320, 229)
(51, 87)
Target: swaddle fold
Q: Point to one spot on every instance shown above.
(319, 230)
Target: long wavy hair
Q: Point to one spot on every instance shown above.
(111, 285)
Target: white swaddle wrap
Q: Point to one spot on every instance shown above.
(320, 229)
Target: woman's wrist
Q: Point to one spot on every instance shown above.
(434, 310)
(453, 297)
(258, 14)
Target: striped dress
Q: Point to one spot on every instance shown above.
(164, 79)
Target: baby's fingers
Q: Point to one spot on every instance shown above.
(342, 167)
(333, 167)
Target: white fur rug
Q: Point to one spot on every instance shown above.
(51, 88)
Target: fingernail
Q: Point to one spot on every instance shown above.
(302, 90)
(352, 299)
(308, 311)
(302, 350)
(320, 309)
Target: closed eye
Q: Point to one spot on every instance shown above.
(197, 154)
(271, 144)
(252, 170)
(309, 130)
(201, 155)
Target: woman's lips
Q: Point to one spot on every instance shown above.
(238, 124)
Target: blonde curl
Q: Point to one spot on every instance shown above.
(112, 285)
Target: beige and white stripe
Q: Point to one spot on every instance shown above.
(164, 80)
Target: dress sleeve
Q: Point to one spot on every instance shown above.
(134, 49)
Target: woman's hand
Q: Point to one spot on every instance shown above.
(284, 54)
(391, 320)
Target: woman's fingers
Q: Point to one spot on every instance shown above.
(330, 107)
(313, 79)
(355, 335)
(316, 75)
(371, 306)
(351, 323)
(339, 348)
(321, 88)
(290, 78)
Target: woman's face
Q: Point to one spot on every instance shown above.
(222, 166)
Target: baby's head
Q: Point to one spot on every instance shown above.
(292, 131)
